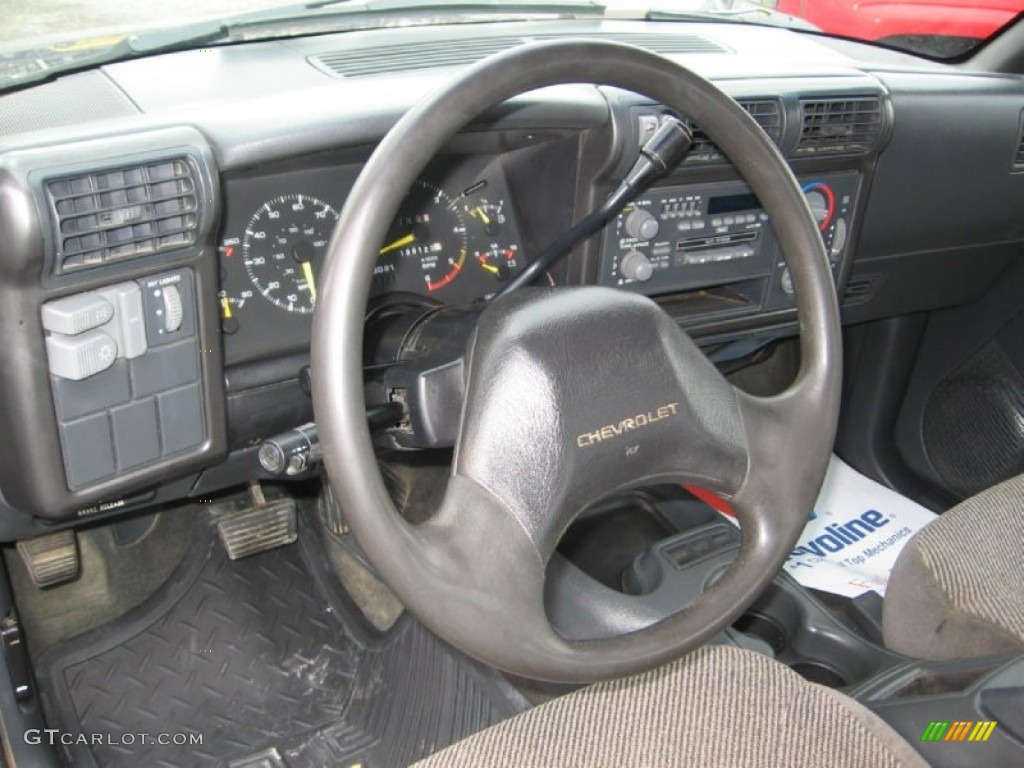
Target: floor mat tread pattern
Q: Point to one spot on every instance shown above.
(256, 656)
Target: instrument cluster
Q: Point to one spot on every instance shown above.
(454, 239)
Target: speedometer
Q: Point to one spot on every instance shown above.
(283, 249)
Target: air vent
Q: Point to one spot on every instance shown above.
(363, 62)
(839, 126)
(121, 213)
(860, 290)
(1018, 158)
(766, 113)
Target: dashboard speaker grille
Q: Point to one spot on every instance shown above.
(768, 115)
(120, 213)
(839, 126)
(384, 59)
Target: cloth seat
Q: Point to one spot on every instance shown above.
(718, 706)
(957, 588)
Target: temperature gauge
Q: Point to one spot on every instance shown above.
(498, 261)
(230, 306)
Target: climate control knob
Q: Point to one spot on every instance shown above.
(636, 266)
(641, 224)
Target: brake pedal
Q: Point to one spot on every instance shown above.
(262, 526)
(51, 559)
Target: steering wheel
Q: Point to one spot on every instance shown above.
(573, 394)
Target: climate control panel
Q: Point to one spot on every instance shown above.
(676, 239)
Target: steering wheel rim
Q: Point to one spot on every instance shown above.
(438, 569)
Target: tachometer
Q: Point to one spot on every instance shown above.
(425, 250)
(283, 249)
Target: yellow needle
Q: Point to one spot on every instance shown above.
(307, 272)
(226, 308)
(399, 243)
(490, 268)
(483, 216)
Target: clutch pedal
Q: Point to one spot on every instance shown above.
(261, 526)
(51, 559)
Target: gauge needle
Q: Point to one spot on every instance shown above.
(479, 213)
(307, 272)
(226, 308)
(399, 243)
(489, 267)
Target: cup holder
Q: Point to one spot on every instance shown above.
(806, 638)
(819, 673)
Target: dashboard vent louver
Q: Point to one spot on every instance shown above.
(1018, 158)
(839, 126)
(120, 213)
(385, 59)
(768, 115)
(860, 290)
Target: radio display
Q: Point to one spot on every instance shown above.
(732, 203)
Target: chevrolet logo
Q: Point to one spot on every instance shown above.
(633, 423)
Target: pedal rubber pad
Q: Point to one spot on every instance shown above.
(51, 559)
(258, 528)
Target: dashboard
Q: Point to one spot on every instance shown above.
(160, 248)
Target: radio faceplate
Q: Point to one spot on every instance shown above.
(683, 238)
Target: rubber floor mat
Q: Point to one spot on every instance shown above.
(267, 662)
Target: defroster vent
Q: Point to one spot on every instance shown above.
(121, 213)
(386, 59)
(847, 126)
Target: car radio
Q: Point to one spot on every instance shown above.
(681, 238)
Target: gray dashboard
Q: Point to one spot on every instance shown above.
(912, 169)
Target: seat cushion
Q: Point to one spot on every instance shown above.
(957, 589)
(719, 706)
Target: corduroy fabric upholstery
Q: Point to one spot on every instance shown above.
(957, 589)
(719, 706)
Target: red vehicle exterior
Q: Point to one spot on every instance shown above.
(880, 20)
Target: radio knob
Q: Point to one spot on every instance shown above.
(636, 266)
(641, 224)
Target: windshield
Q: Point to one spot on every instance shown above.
(40, 38)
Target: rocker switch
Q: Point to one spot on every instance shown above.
(172, 308)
